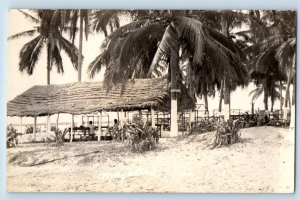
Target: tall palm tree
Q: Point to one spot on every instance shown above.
(72, 17)
(47, 34)
(98, 20)
(137, 50)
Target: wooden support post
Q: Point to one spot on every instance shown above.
(57, 121)
(152, 118)
(72, 125)
(174, 123)
(190, 119)
(34, 129)
(118, 117)
(21, 125)
(48, 124)
(100, 126)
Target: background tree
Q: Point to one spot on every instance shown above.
(47, 34)
(278, 49)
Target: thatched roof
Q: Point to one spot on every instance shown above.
(88, 97)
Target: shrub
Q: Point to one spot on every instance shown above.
(29, 129)
(227, 132)
(140, 137)
(11, 136)
(58, 139)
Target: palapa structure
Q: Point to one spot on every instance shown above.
(89, 97)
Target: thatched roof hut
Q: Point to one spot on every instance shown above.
(88, 97)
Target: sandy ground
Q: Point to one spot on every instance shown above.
(262, 162)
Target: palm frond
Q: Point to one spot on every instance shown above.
(96, 65)
(168, 44)
(22, 34)
(256, 93)
(265, 44)
(120, 32)
(29, 16)
(57, 60)
(71, 51)
(286, 51)
(29, 54)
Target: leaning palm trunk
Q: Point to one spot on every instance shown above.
(80, 47)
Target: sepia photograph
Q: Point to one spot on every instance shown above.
(151, 101)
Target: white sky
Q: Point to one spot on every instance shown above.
(19, 82)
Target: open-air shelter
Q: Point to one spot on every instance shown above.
(93, 97)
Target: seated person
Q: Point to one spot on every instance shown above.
(92, 129)
(116, 124)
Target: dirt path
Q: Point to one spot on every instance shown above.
(262, 162)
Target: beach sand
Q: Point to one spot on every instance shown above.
(262, 162)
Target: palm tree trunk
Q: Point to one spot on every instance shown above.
(221, 96)
(272, 105)
(280, 91)
(206, 104)
(48, 64)
(226, 102)
(80, 46)
(224, 26)
(287, 93)
(293, 111)
(266, 99)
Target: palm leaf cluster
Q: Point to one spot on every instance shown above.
(145, 47)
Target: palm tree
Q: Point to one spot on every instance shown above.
(138, 49)
(269, 91)
(98, 19)
(49, 34)
(71, 17)
(278, 49)
(102, 19)
(227, 22)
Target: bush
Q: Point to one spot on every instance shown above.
(29, 129)
(140, 137)
(227, 132)
(11, 136)
(58, 139)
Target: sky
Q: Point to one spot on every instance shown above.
(19, 82)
